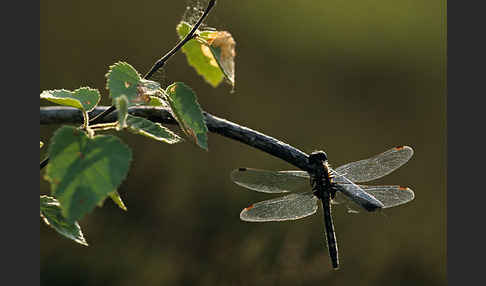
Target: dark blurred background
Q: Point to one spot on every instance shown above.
(353, 78)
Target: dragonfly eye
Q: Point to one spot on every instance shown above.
(317, 156)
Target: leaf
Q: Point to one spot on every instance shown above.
(222, 46)
(123, 79)
(188, 113)
(51, 213)
(156, 101)
(115, 197)
(121, 104)
(83, 98)
(211, 55)
(145, 127)
(84, 171)
(199, 56)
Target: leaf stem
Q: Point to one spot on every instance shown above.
(104, 126)
(86, 120)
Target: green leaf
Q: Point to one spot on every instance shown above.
(199, 56)
(51, 213)
(121, 104)
(156, 101)
(188, 113)
(83, 98)
(115, 197)
(84, 171)
(123, 79)
(145, 127)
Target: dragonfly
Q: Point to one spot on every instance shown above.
(329, 186)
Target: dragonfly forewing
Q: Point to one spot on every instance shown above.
(377, 166)
(290, 207)
(270, 181)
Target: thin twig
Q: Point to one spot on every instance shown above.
(245, 135)
(188, 37)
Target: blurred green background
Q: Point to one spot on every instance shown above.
(353, 78)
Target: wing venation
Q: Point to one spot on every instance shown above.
(270, 181)
(290, 207)
(376, 166)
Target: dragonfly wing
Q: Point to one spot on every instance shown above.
(389, 196)
(270, 181)
(341, 200)
(356, 194)
(377, 166)
(290, 207)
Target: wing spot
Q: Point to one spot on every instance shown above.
(399, 147)
(402, 188)
(242, 169)
(249, 208)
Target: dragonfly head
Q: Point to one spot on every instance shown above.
(317, 157)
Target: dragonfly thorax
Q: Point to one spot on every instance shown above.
(320, 177)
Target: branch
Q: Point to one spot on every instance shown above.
(245, 135)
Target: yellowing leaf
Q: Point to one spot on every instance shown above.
(222, 46)
(211, 54)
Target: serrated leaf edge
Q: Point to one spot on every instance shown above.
(81, 240)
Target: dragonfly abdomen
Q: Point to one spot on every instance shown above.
(330, 233)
